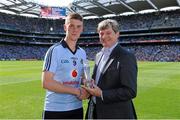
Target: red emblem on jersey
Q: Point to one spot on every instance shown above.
(74, 73)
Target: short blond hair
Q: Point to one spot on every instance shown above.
(75, 16)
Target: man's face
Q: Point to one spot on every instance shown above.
(73, 29)
(108, 37)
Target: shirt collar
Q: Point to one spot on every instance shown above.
(65, 45)
(108, 50)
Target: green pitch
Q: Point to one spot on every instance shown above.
(21, 94)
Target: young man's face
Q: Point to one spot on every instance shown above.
(73, 29)
(108, 37)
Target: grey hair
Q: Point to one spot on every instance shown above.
(108, 23)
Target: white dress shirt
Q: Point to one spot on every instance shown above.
(105, 56)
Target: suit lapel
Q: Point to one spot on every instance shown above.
(106, 66)
(111, 59)
(108, 63)
(113, 55)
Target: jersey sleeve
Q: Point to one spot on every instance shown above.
(51, 60)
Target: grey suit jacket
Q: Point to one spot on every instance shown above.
(118, 82)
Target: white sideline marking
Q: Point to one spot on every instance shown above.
(16, 82)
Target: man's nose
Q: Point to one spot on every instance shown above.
(75, 28)
(103, 36)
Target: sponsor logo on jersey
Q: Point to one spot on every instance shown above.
(74, 73)
(71, 83)
(64, 61)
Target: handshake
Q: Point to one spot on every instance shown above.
(88, 83)
(89, 88)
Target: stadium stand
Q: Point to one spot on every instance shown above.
(151, 36)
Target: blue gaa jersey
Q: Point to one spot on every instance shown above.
(67, 67)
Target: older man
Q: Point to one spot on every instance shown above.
(115, 75)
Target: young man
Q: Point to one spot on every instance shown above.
(62, 73)
(115, 74)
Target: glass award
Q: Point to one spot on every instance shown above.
(87, 73)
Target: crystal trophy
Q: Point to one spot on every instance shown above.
(87, 73)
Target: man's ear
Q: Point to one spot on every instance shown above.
(82, 29)
(65, 27)
(118, 34)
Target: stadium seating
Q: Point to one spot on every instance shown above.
(151, 36)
